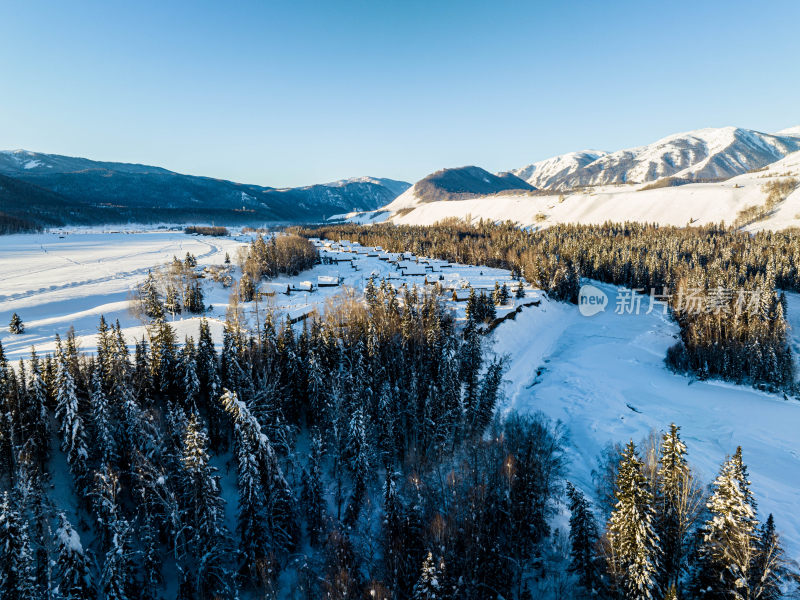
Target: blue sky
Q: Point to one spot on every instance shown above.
(295, 92)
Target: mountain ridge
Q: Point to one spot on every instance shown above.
(700, 154)
(146, 193)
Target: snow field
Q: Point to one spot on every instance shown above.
(604, 377)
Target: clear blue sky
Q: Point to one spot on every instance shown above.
(295, 92)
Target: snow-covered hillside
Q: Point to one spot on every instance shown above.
(552, 172)
(696, 203)
(604, 377)
(710, 153)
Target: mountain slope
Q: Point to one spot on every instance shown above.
(551, 172)
(703, 154)
(25, 206)
(459, 183)
(697, 203)
(146, 193)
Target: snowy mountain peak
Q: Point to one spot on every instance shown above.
(547, 173)
(703, 154)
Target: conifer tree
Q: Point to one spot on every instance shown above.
(677, 505)
(73, 432)
(72, 565)
(205, 537)
(634, 559)
(313, 497)
(118, 577)
(103, 417)
(278, 502)
(430, 585)
(583, 535)
(151, 302)
(359, 458)
(16, 327)
(35, 436)
(728, 539)
(17, 563)
(190, 382)
(768, 567)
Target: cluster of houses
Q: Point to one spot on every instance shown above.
(405, 263)
(400, 266)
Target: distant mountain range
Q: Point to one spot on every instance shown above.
(736, 176)
(701, 155)
(48, 189)
(708, 156)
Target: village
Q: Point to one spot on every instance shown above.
(344, 264)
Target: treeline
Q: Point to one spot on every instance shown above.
(734, 327)
(11, 224)
(207, 230)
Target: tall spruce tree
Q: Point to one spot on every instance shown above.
(583, 535)
(73, 429)
(73, 566)
(206, 541)
(17, 562)
(728, 539)
(634, 544)
(677, 505)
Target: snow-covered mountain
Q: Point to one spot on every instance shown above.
(460, 183)
(103, 192)
(551, 172)
(697, 203)
(703, 154)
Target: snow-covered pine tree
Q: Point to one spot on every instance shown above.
(359, 458)
(118, 577)
(35, 438)
(191, 383)
(17, 562)
(206, 541)
(728, 539)
(172, 302)
(163, 357)
(583, 535)
(678, 501)
(470, 366)
(16, 326)
(140, 376)
(634, 544)
(73, 429)
(279, 503)
(106, 448)
(313, 496)
(487, 399)
(8, 420)
(150, 299)
(769, 568)
(73, 566)
(105, 502)
(430, 585)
